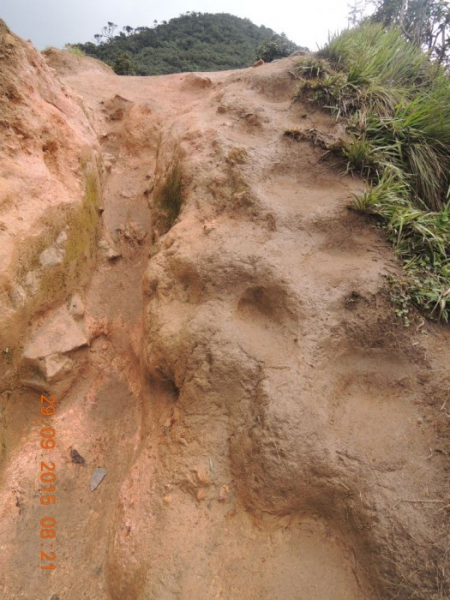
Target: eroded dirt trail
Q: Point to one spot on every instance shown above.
(265, 421)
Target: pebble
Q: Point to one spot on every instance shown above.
(96, 479)
(77, 458)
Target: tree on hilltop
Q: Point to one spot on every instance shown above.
(423, 22)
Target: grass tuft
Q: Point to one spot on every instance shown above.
(396, 105)
(170, 196)
(74, 50)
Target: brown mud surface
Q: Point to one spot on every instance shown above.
(269, 428)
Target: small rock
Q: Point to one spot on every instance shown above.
(32, 280)
(113, 254)
(62, 238)
(224, 493)
(110, 252)
(18, 296)
(56, 367)
(202, 476)
(150, 189)
(221, 110)
(167, 500)
(253, 119)
(57, 334)
(201, 495)
(51, 257)
(77, 458)
(76, 307)
(96, 479)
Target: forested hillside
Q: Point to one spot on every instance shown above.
(191, 42)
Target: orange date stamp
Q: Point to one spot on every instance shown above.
(48, 481)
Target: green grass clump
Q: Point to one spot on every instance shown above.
(396, 104)
(169, 195)
(420, 237)
(83, 224)
(74, 50)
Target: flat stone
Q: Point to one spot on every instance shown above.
(56, 367)
(51, 257)
(96, 479)
(58, 334)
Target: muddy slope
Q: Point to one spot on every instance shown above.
(269, 428)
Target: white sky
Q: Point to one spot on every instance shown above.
(57, 22)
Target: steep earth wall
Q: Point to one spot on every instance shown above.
(49, 194)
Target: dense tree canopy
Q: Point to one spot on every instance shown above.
(191, 42)
(425, 22)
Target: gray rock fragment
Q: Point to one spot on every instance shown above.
(96, 479)
(51, 257)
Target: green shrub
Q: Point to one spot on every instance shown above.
(124, 64)
(278, 46)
